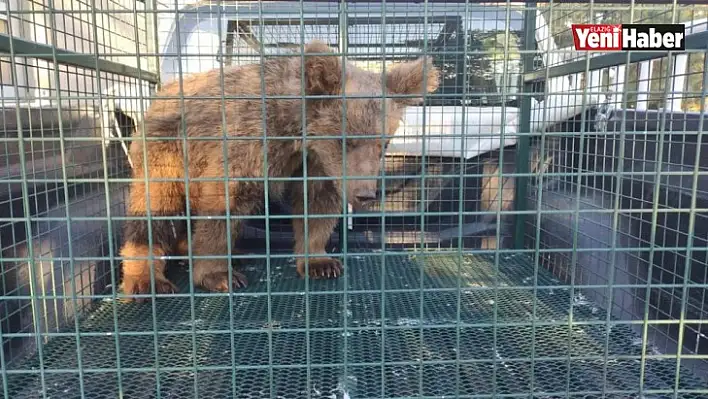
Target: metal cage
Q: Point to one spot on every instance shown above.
(538, 229)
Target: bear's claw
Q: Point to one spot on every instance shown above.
(219, 281)
(140, 285)
(321, 268)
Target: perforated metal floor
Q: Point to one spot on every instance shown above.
(418, 352)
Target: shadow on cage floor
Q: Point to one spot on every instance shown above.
(384, 337)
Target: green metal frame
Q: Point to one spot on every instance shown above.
(25, 48)
(524, 131)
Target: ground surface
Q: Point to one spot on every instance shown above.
(362, 343)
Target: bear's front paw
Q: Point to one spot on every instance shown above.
(219, 281)
(140, 284)
(320, 268)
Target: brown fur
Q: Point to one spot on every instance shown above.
(202, 118)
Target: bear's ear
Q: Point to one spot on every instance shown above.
(413, 78)
(323, 73)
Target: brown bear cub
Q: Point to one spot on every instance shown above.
(237, 124)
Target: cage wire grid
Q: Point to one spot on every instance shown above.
(498, 261)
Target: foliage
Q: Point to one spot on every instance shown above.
(489, 56)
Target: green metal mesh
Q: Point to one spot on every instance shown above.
(565, 264)
(489, 347)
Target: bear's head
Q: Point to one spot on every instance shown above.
(368, 111)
